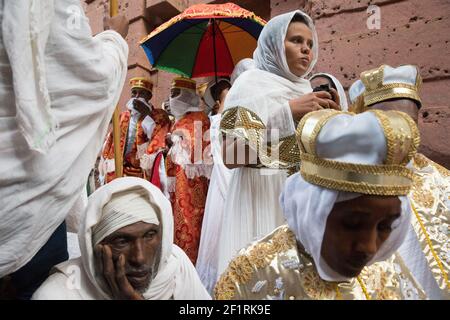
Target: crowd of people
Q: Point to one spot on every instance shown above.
(268, 184)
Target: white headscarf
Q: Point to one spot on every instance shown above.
(338, 85)
(351, 139)
(186, 101)
(270, 54)
(176, 277)
(267, 89)
(241, 67)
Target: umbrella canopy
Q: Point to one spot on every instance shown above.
(204, 40)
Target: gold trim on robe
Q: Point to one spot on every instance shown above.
(274, 268)
(430, 200)
(242, 123)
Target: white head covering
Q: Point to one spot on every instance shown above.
(176, 276)
(241, 67)
(270, 54)
(338, 85)
(186, 101)
(124, 208)
(403, 75)
(352, 139)
(267, 89)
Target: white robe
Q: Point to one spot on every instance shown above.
(208, 258)
(84, 76)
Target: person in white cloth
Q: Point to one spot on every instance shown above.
(262, 107)
(347, 214)
(208, 258)
(127, 250)
(59, 86)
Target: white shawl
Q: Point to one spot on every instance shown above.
(84, 78)
(267, 90)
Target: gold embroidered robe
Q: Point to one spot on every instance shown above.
(274, 268)
(430, 200)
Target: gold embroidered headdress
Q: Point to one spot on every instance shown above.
(385, 83)
(141, 83)
(184, 83)
(365, 153)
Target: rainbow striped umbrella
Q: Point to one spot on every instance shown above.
(204, 40)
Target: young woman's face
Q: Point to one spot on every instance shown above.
(298, 46)
(355, 231)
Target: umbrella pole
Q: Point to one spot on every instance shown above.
(214, 48)
(114, 10)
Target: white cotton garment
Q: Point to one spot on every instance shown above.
(176, 277)
(208, 257)
(84, 76)
(251, 208)
(241, 67)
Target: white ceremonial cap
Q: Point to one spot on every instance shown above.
(364, 153)
(384, 83)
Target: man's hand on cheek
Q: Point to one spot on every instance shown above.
(113, 270)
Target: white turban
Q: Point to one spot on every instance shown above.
(124, 209)
(352, 139)
(176, 277)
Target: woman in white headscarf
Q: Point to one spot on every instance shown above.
(271, 97)
(176, 277)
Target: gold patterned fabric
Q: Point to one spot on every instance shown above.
(242, 123)
(430, 199)
(377, 91)
(275, 268)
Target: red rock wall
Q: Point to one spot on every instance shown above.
(411, 32)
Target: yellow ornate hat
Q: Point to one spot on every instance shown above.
(364, 153)
(142, 83)
(184, 83)
(385, 83)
